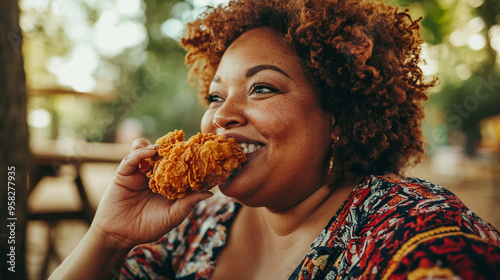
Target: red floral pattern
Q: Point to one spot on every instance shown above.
(386, 229)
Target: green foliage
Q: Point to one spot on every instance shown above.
(158, 93)
(152, 78)
(469, 78)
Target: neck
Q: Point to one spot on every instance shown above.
(308, 216)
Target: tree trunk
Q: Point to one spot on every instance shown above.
(14, 153)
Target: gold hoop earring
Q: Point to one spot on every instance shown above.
(330, 167)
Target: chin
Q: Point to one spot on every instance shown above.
(252, 198)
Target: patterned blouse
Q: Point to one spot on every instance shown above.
(386, 229)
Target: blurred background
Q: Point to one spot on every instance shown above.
(101, 73)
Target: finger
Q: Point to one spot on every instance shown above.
(140, 143)
(183, 206)
(136, 181)
(144, 166)
(131, 162)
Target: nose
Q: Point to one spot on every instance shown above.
(230, 114)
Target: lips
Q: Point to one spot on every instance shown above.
(250, 147)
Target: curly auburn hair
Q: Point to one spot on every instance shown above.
(363, 58)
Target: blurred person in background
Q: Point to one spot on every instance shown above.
(329, 95)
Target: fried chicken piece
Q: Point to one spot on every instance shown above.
(201, 163)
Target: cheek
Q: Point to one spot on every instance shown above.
(271, 120)
(207, 122)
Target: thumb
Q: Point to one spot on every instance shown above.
(181, 208)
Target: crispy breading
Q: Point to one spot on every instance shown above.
(201, 163)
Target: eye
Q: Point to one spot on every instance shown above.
(213, 97)
(264, 88)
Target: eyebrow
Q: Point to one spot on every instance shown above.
(256, 69)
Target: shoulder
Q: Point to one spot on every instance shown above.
(413, 224)
(447, 253)
(418, 205)
(167, 257)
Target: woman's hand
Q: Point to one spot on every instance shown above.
(129, 212)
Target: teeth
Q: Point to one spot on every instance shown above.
(248, 148)
(253, 147)
(245, 147)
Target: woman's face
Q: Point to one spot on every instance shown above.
(261, 97)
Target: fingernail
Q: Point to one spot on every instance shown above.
(208, 194)
(152, 147)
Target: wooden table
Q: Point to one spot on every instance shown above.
(49, 155)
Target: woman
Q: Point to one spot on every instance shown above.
(328, 95)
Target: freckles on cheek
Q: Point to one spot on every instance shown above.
(275, 121)
(279, 128)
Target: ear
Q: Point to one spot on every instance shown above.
(335, 127)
